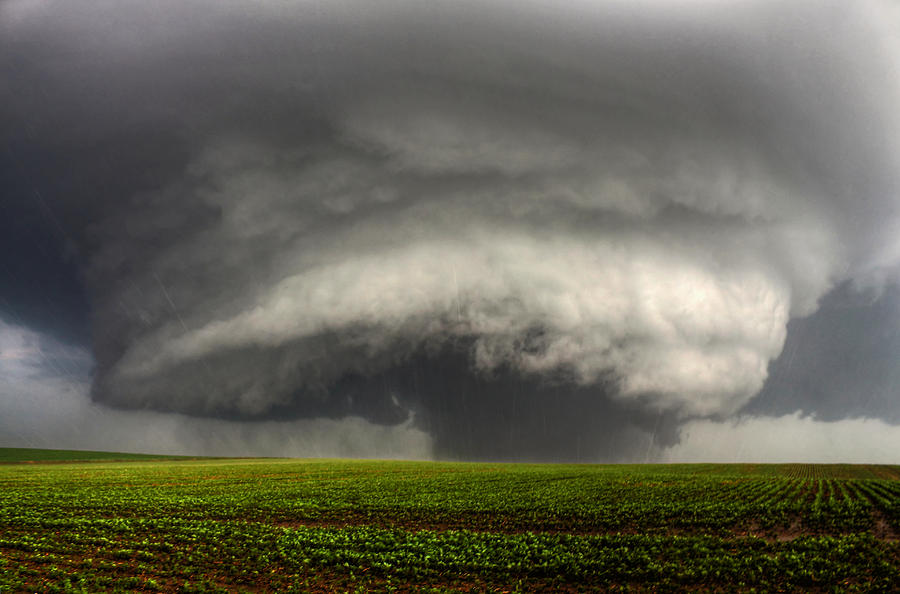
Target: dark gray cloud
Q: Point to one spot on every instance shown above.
(583, 225)
(45, 403)
(839, 362)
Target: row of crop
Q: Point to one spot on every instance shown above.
(651, 513)
(254, 553)
(493, 498)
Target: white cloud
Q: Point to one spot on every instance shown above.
(683, 335)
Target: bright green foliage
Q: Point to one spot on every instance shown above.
(226, 525)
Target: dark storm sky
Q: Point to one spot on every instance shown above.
(467, 230)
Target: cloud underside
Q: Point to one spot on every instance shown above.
(619, 211)
(46, 404)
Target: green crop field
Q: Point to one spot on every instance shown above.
(345, 525)
(30, 455)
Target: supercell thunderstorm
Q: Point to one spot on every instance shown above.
(600, 217)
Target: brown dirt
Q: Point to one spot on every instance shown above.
(883, 529)
(776, 533)
(793, 530)
(891, 473)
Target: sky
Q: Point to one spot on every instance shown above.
(484, 230)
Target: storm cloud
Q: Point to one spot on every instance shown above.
(527, 231)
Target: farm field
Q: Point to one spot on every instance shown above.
(346, 525)
(31, 455)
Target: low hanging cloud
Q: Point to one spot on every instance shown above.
(623, 201)
(46, 404)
